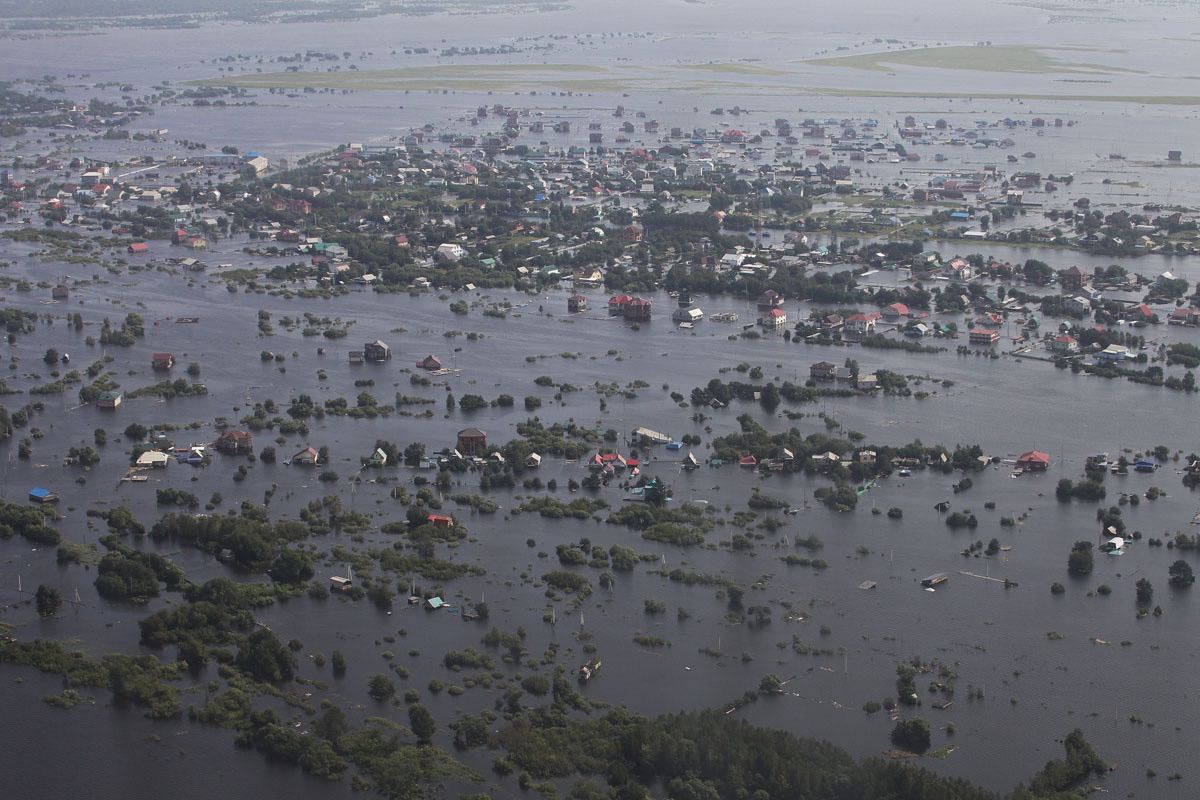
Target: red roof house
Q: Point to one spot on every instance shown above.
(1034, 460)
(617, 303)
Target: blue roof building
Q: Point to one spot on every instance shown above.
(39, 495)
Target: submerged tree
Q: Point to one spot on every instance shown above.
(48, 599)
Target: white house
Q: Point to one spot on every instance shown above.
(450, 253)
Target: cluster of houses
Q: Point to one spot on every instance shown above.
(826, 371)
(102, 191)
(777, 161)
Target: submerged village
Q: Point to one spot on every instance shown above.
(427, 465)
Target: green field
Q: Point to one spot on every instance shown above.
(693, 79)
(1007, 58)
(735, 69)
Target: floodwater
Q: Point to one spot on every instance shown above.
(1036, 687)
(996, 638)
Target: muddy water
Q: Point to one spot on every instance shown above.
(1035, 688)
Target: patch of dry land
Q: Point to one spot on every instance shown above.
(457, 77)
(995, 58)
(698, 79)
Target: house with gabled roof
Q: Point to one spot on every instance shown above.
(894, 313)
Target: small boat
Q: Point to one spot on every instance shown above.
(936, 579)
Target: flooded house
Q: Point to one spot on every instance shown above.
(917, 330)
(774, 319)
(154, 459)
(576, 303)
(1114, 353)
(430, 362)
(41, 495)
(648, 436)
(1033, 461)
(822, 371)
(958, 269)
(235, 442)
(472, 442)
(985, 337)
(306, 457)
(894, 313)
(1139, 312)
(376, 351)
(859, 325)
(617, 303)
(1064, 344)
(1184, 316)
(162, 361)
(637, 310)
(110, 399)
(769, 299)
(1072, 279)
